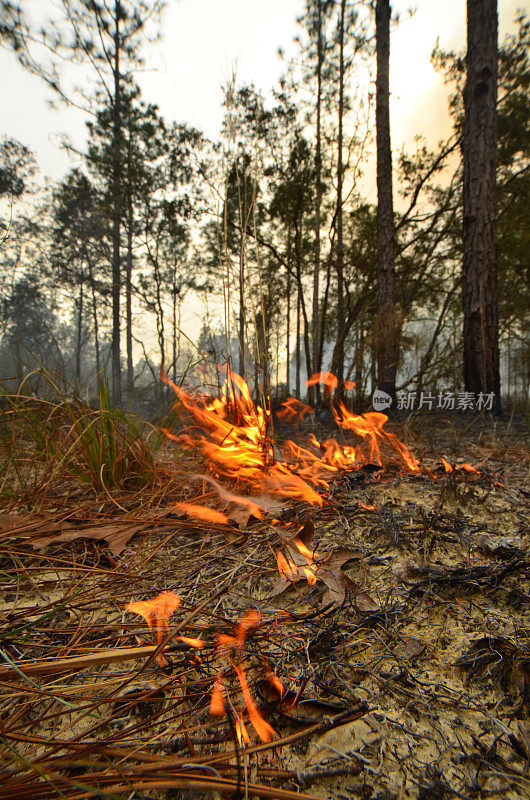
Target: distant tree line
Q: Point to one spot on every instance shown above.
(269, 227)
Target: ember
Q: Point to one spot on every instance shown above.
(466, 467)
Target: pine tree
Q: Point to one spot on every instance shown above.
(479, 147)
(387, 327)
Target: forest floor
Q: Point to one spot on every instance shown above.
(406, 666)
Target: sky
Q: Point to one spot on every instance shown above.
(204, 40)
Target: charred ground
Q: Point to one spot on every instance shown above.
(414, 682)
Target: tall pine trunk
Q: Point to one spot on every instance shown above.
(338, 352)
(318, 204)
(128, 296)
(297, 350)
(288, 333)
(387, 328)
(243, 222)
(479, 145)
(174, 299)
(129, 263)
(116, 186)
(79, 343)
(94, 314)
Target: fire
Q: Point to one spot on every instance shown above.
(248, 623)
(370, 426)
(292, 571)
(274, 681)
(365, 506)
(293, 411)
(157, 613)
(217, 699)
(201, 512)
(233, 432)
(329, 380)
(468, 468)
(464, 466)
(198, 644)
(261, 726)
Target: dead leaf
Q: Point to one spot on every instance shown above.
(240, 515)
(329, 571)
(243, 516)
(116, 536)
(364, 602)
(19, 524)
(326, 567)
(307, 532)
(409, 650)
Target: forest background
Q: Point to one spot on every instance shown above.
(258, 245)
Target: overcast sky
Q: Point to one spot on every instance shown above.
(201, 42)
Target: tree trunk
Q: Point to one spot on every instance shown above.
(297, 351)
(176, 348)
(94, 315)
(481, 346)
(116, 182)
(128, 296)
(338, 353)
(298, 239)
(242, 264)
(387, 328)
(79, 335)
(288, 335)
(318, 200)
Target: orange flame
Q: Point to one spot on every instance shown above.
(156, 613)
(198, 644)
(261, 726)
(287, 568)
(366, 507)
(293, 572)
(201, 512)
(274, 681)
(329, 380)
(217, 699)
(468, 468)
(293, 411)
(370, 426)
(241, 731)
(248, 623)
(232, 432)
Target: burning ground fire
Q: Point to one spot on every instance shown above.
(234, 433)
(157, 613)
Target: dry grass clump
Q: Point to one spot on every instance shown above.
(61, 445)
